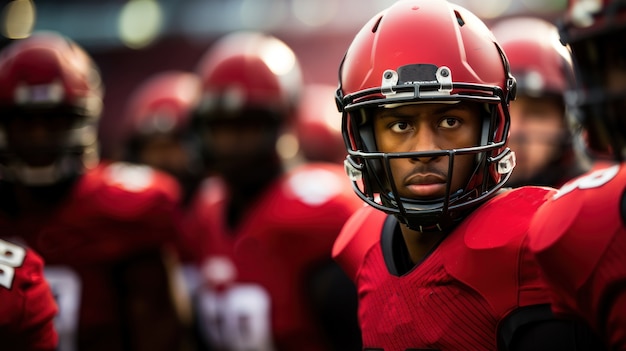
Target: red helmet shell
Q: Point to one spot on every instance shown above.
(48, 69)
(386, 41)
(250, 70)
(162, 103)
(538, 60)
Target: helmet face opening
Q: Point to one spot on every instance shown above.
(373, 79)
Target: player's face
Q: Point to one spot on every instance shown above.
(165, 152)
(428, 127)
(243, 147)
(38, 138)
(537, 135)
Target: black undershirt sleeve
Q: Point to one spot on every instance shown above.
(534, 328)
(333, 298)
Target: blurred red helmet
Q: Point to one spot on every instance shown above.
(49, 75)
(162, 104)
(539, 62)
(249, 71)
(318, 125)
(595, 31)
(49, 70)
(425, 51)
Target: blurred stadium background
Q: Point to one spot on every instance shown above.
(131, 39)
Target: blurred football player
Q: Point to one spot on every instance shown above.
(545, 151)
(578, 237)
(156, 120)
(269, 282)
(318, 125)
(439, 256)
(27, 307)
(101, 228)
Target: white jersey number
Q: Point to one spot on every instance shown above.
(237, 318)
(66, 288)
(592, 180)
(11, 257)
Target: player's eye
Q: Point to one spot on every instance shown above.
(400, 126)
(449, 122)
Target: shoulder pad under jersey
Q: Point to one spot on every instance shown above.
(489, 246)
(317, 183)
(359, 234)
(582, 217)
(27, 303)
(127, 190)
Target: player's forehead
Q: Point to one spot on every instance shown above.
(428, 109)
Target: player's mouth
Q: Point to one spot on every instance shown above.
(426, 185)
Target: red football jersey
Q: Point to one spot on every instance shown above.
(455, 298)
(27, 307)
(112, 214)
(252, 277)
(579, 240)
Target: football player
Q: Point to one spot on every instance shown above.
(578, 236)
(545, 151)
(27, 307)
(439, 255)
(269, 282)
(156, 120)
(102, 228)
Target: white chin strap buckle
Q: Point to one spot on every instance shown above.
(507, 163)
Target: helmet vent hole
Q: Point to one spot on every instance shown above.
(459, 19)
(375, 28)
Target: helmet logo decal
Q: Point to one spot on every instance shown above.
(417, 74)
(39, 94)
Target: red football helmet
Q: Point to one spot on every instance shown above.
(249, 79)
(161, 104)
(539, 62)
(595, 31)
(249, 70)
(420, 51)
(318, 125)
(49, 78)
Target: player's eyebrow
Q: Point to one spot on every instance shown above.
(399, 112)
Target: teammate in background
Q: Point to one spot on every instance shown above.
(269, 280)
(578, 237)
(156, 133)
(545, 151)
(156, 123)
(439, 256)
(318, 125)
(27, 307)
(101, 228)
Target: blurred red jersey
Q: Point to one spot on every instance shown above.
(253, 290)
(458, 295)
(579, 240)
(27, 307)
(112, 215)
